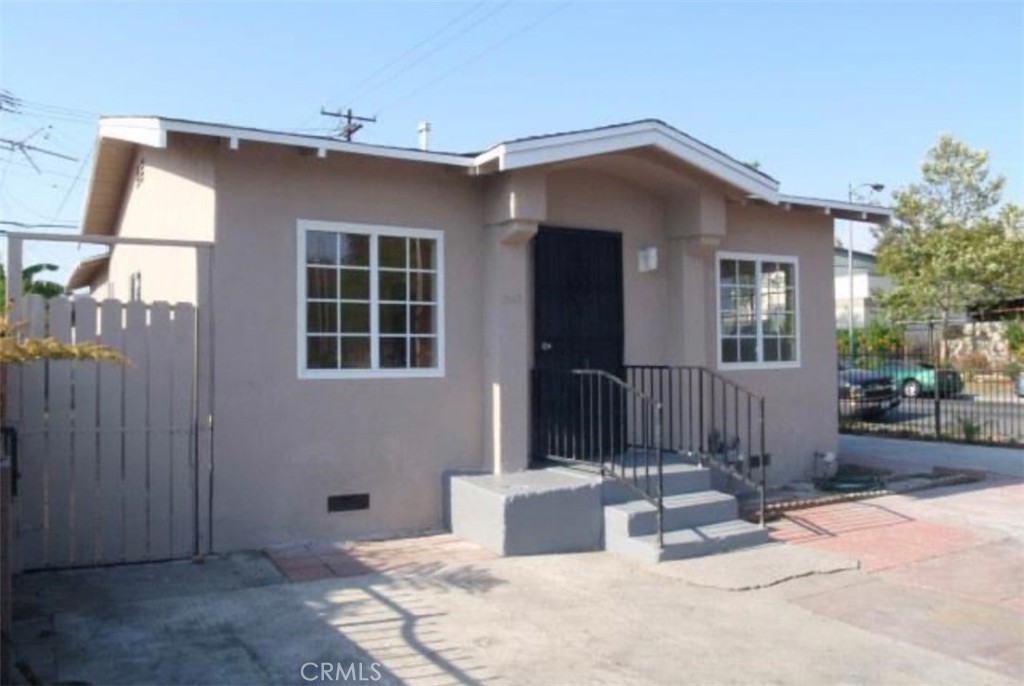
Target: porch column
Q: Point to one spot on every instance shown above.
(508, 349)
(696, 223)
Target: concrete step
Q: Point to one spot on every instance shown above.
(677, 478)
(690, 542)
(687, 510)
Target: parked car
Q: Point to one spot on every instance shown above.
(915, 379)
(866, 393)
(1020, 384)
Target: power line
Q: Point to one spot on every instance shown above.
(455, 20)
(359, 85)
(475, 58)
(42, 170)
(55, 109)
(26, 225)
(438, 48)
(74, 182)
(24, 148)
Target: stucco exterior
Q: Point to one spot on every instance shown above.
(283, 444)
(168, 193)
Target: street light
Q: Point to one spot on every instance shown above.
(850, 190)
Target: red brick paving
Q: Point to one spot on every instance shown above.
(879, 537)
(939, 578)
(324, 560)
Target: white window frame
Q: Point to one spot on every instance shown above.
(375, 371)
(758, 259)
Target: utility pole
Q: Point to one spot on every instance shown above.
(352, 123)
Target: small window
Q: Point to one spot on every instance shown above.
(135, 287)
(371, 301)
(757, 311)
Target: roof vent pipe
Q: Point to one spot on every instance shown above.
(424, 130)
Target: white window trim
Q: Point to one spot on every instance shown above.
(758, 258)
(306, 225)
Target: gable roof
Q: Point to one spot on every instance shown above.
(513, 154)
(119, 135)
(557, 147)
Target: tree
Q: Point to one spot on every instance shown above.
(29, 284)
(951, 247)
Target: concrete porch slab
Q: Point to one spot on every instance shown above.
(529, 513)
(760, 567)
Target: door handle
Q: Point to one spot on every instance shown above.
(545, 346)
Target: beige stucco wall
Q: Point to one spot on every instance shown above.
(284, 444)
(801, 404)
(592, 200)
(170, 193)
(670, 313)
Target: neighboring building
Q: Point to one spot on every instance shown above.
(867, 283)
(378, 310)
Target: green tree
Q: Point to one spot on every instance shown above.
(951, 246)
(29, 283)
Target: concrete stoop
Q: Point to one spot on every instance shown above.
(557, 510)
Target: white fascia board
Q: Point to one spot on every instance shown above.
(146, 131)
(589, 143)
(496, 153)
(841, 208)
(152, 131)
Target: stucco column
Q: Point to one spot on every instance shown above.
(695, 224)
(508, 345)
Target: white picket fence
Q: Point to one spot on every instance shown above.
(107, 452)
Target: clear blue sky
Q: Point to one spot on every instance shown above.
(820, 94)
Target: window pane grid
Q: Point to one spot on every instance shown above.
(387, 318)
(757, 310)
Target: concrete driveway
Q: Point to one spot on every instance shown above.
(922, 589)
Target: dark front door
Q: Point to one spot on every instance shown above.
(577, 296)
(578, 325)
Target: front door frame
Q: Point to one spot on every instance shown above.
(619, 304)
(586, 338)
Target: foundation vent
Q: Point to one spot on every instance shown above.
(348, 502)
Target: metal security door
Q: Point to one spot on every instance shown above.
(578, 324)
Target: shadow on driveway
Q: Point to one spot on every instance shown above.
(235, 619)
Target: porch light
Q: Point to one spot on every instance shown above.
(647, 259)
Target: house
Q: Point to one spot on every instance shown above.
(378, 310)
(867, 282)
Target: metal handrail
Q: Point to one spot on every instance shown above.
(594, 417)
(710, 417)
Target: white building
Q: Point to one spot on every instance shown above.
(867, 283)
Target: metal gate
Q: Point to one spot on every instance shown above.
(110, 457)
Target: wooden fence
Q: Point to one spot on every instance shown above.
(107, 453)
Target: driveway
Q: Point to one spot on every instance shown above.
(923, 589)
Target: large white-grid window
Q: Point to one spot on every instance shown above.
(371, 301)
(758, 311)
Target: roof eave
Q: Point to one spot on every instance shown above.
(839, 209)
(88, 271)
(153, 131)
(565, 147)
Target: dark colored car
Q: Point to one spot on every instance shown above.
(915, 379)
(866, 393)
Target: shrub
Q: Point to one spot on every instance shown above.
(970, 429)
(1015, 338)
(1012, 371)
